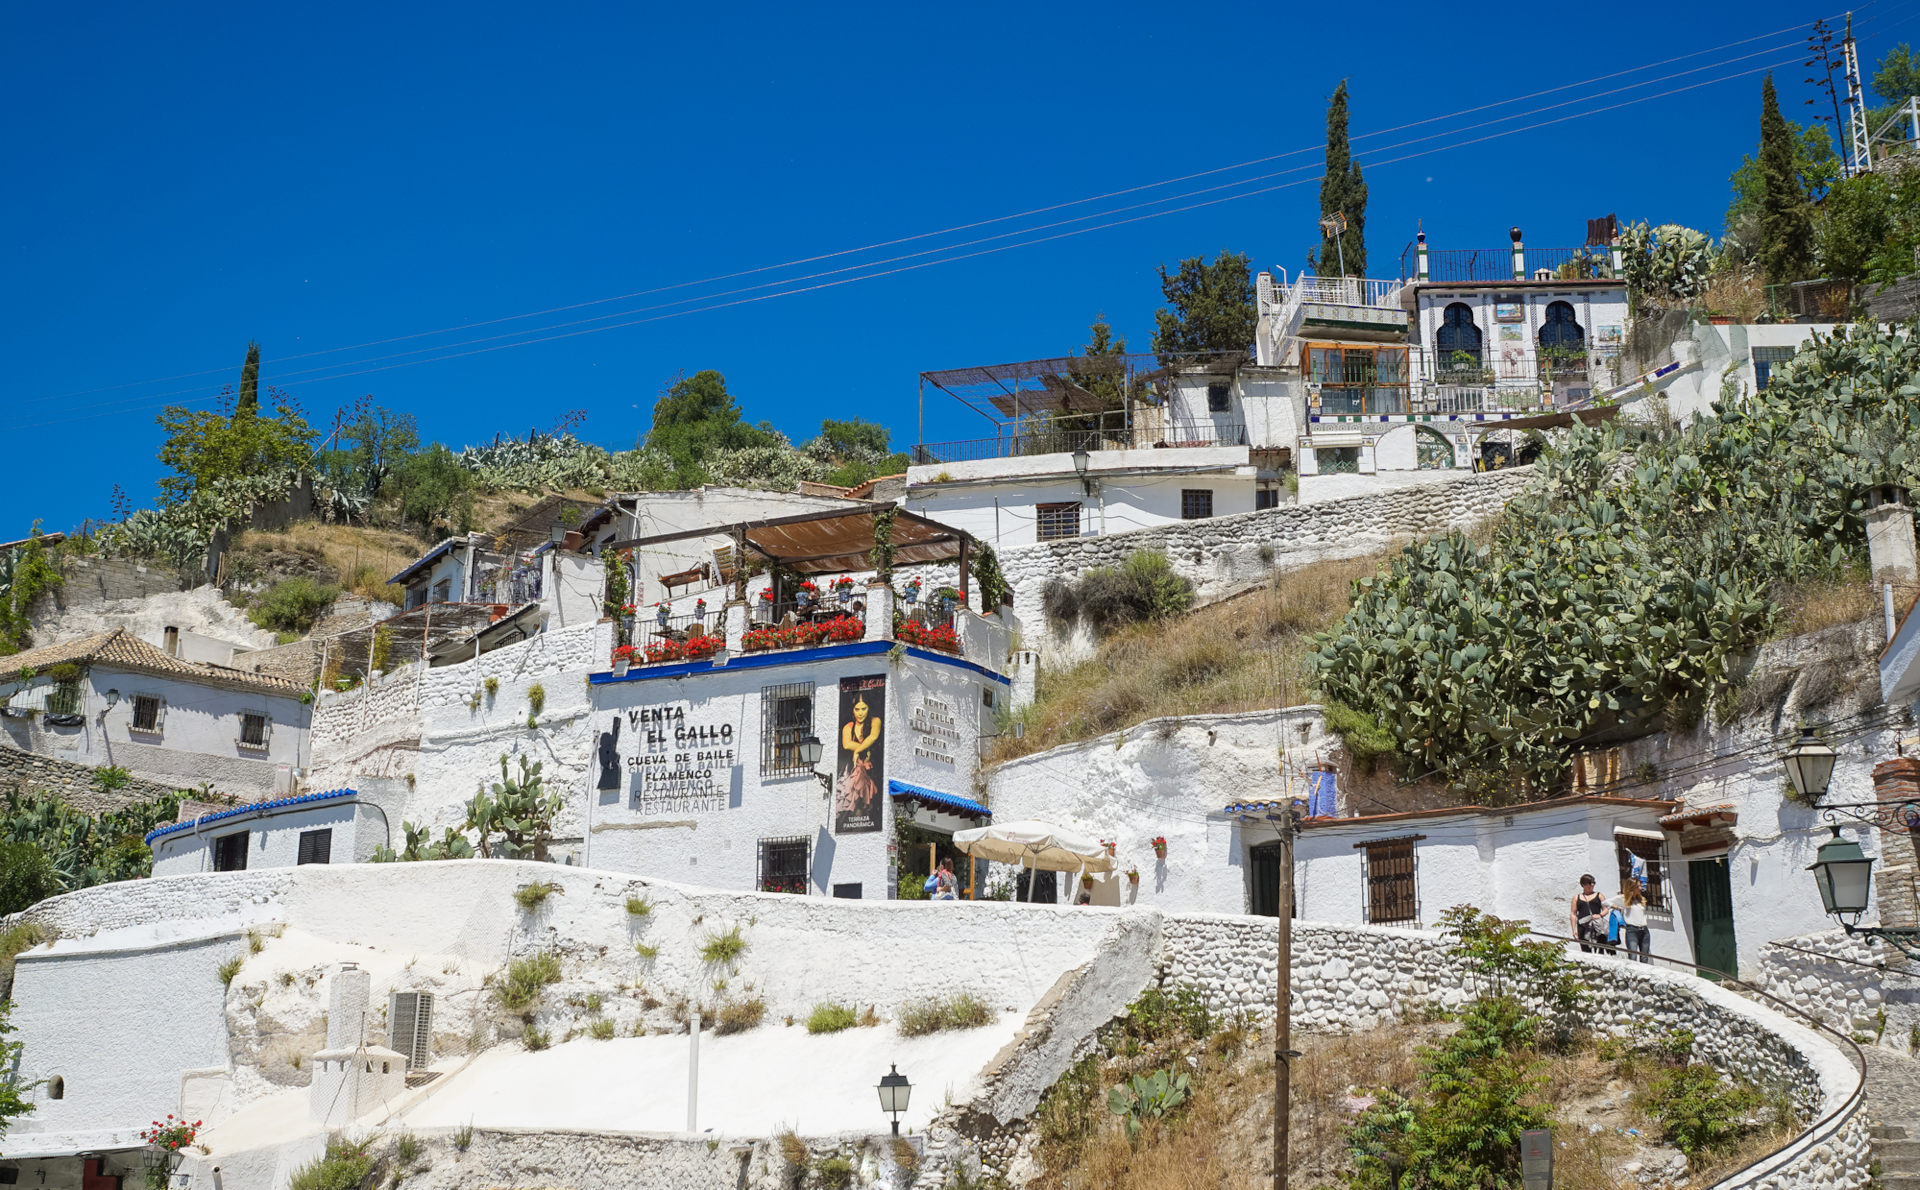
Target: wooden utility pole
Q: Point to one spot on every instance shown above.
(1283, 1052)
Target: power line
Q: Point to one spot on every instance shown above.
(1006, 218)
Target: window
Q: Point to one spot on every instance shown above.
(230, 852)
(1389, 871)
(1267, 497)
(64, 699)
(1337, 460)
(783, 864)
(786, 718)
(441, 590)
(1196, 504)
(1651, 853)
(847, 892)
(986, 697)
(1457, 345)
(316, 847)
(1217, 398)
(146, 712)
(253, 730)
(56, 1087)
(1051, 522)
(1764, 359)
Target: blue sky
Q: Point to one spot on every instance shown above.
(315, 177)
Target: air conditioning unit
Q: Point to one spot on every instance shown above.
(410, 1027)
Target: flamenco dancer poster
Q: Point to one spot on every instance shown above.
(862, 769)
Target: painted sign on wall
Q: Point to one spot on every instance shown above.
(676, 767)
(862, 769)
(935, 733)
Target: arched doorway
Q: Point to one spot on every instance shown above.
(1457, 349)
(1563, 344)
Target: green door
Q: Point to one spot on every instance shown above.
(1711, 886)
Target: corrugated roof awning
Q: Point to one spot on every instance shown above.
(831, 542)
(946, 802)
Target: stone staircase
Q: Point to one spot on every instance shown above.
(1896, 1147)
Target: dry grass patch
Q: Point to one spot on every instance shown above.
(1244, 653)
(1822, 603)
(360, 557)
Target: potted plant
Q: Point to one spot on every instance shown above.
(912, 592)
(1109, 846)
(946, 597)
(622, 659)
(1159, 845)
(661, 611)
(843, 587)
(166, 1144)
(806, 593)
(1133, 875)
(700, 608)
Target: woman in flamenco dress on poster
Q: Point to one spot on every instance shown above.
(858, 790)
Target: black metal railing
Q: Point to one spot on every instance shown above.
(1068, 441)
(1496, 264)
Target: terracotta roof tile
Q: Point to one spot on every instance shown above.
(123, 650)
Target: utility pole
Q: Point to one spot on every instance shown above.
(1283, 1051)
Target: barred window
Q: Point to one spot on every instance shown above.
(1217, 398)
(1392, 896)
(786, 718)
(64, 699)
(253, 730)
(1196, 504)
(783, 864)
(1051, 522)
(1652, 855)
(146, 712)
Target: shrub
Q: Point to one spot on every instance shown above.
(1367, 740)
(594, 1003)
(601, 1030)
(380, 653)
(534, 1039)
(526, 977)
(292, 605)
(639, 907)
(737, 1016)
(537, 697)
(27, 876)
(833, 1173)
(831, 1018)
(793, 1150)
(1148, 1097)
(1701, 1112)
(1106, 598)
(1160, 1017)
(344, 1166)
(725, 947)
(937, 1014)
(407, 1149)
(110, 777)
(532, 896)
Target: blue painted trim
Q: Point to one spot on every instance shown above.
(778, 657)
(938, 800)
(243, 811)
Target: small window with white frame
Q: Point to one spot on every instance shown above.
(254, 730)
(147, 711)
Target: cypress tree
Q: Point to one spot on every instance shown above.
(1342, 189)
(1786, 218)
(249, 402)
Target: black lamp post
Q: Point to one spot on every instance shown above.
(1081, 461)
(1843, 873)
(894, 1090)
(810, 749)
(1809, 766)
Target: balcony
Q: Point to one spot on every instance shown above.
(941, 624)
(1462, 385)
(1459, 265)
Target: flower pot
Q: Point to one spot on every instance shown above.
(1133, 877)
(620, 667)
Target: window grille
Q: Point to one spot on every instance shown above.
(783, 864)
(1217, 398)
(786, 718)
(146, 712)
(64, 699)
(410, 1027)
(1196, 504)
(1392, 895)
(230, 852)
(316, 847)
(1337, 460)
(1051, 522)
(1652, 853)
(253, 730)
(1764, 359)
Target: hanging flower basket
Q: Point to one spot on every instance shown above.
(1133, 875)
(1109, 847)
(1159, 845)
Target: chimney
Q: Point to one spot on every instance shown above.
(1420, 255)
(1890, 534)
(1519, 257)
(347, 1007)
(170, 638)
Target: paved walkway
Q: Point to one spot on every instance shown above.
(1893, 1087)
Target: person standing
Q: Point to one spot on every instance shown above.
(945, 886)
(1589, 917)
(1633, 927)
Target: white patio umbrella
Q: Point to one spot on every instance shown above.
(1034, 845)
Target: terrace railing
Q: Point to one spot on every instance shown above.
(1066, 439)
(1496, 264)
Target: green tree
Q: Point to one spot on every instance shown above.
(26, 877)
(249, 401)
(1786, 217)
(1210, 307)
(1897, 77)
(695, 416)
(1342, 191)
(26, 572)
(204, 447)
(369, 447)
(434, 490)
(854, 450)
(1815, 164)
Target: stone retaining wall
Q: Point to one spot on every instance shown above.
(1866, 992)
(73, 783)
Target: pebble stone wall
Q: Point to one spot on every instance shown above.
(1866, 992)
(73, 783)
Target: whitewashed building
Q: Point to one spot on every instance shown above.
(113, 699)
(334, 827)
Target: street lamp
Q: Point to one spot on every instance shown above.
(1842, 872)
(1809, 766)
(810, 748)
(113, 699)
(1081, 461)
(894, 1090)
